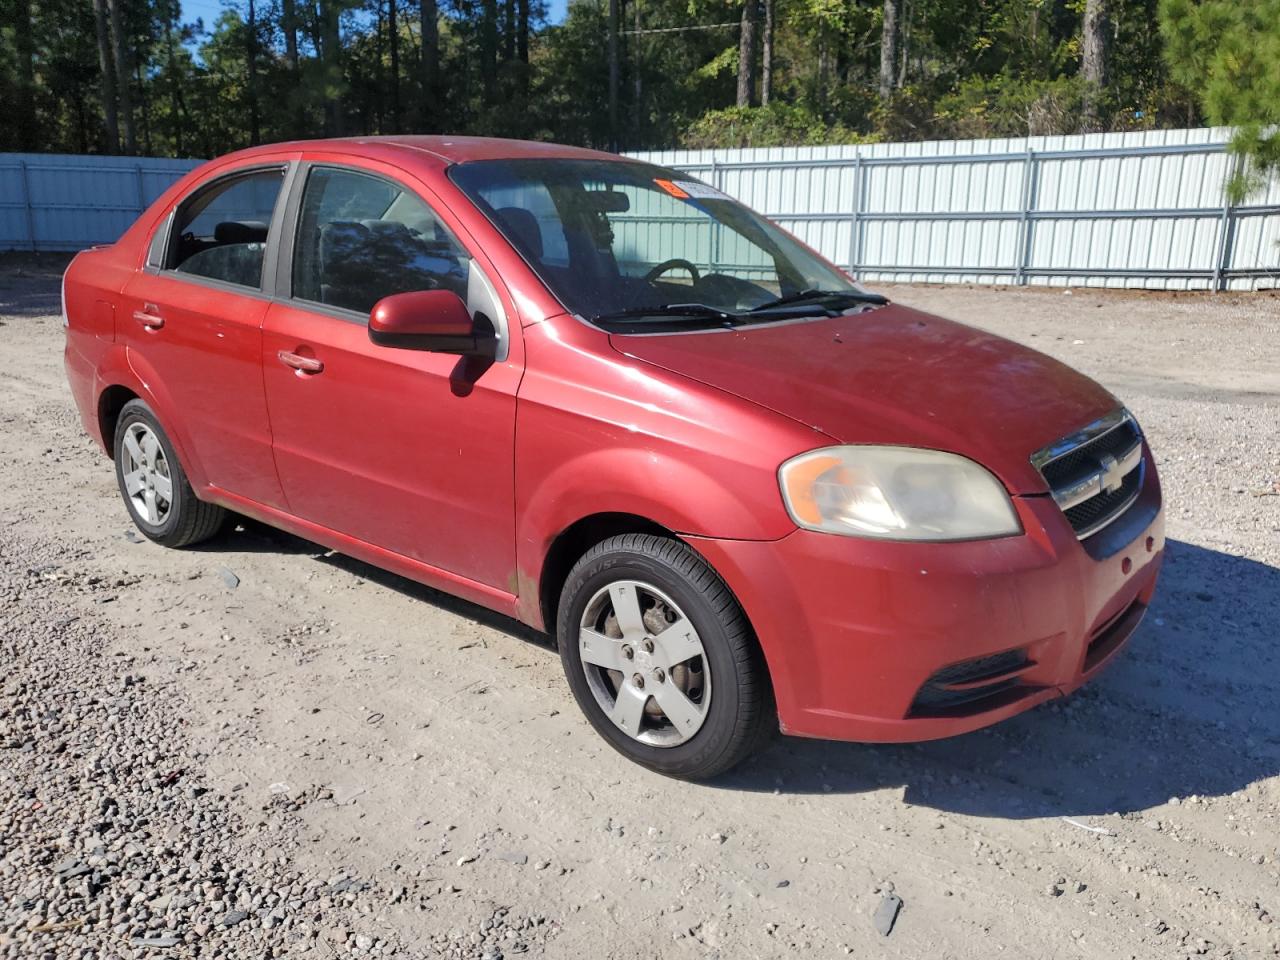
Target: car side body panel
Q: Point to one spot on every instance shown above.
(480, 469)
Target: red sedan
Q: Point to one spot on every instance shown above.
(606, 399)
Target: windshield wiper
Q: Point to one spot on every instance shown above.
(688, 311)
(805, 296)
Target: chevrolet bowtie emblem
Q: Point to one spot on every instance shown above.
(1112, 474)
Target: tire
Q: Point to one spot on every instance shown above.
(147, 468)
(719, 699)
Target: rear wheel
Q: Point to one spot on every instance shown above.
(153, 484)
(661, 659)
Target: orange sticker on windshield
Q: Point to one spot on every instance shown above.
(672, 189)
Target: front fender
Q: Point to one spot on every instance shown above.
(656, 487)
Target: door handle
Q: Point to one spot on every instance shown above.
(149, 316)
(300, 363)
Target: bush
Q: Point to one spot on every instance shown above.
(776, 125)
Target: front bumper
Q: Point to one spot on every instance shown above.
(876, 641)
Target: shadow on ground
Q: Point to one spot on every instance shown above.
(29, 284)
(250, 536)
(1187, 708)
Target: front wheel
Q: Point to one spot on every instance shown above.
(661, 658)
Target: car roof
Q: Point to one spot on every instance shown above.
(443, 149)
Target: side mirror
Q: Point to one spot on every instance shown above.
(434, 320)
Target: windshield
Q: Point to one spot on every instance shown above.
(624, 238)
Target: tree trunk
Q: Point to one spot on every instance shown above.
(176, 107)
(889, 48)
(289, 26)
(428, 14)
(509, 29)
(123, 71)
(637, 114)
(25, 108)
(251, 59)
(144, 106)
(613, 74)
(489, 47)
(747, 54)
(1095, 56)
(106, 64)
(766, 67)
(904, 43)
(331, 58)
(393, 33)
(522, 31)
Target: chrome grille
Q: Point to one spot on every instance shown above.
(1096, 473)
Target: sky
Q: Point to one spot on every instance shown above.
(210, 10)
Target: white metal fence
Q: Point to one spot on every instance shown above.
(1127, 210)
(69, 202)
(1137, 209)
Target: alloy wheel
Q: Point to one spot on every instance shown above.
(645, 663)
(147, 481)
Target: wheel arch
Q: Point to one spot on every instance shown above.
(568, 546)
(110, 402)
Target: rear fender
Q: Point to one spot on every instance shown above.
(129, 369)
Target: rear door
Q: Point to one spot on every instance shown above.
(192, 323)
(406, 450)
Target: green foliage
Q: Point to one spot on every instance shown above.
(969, 68)
(1228, 52)
(775, 125)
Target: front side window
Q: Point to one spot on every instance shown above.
(614, 238)
(220, 232)
(361, 238)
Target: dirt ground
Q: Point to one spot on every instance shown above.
(356, 725)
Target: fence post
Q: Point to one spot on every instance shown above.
(855, 221)
(1029, 176)
(1226, 229)
(142, 194)
(26, 200)
(714, 253)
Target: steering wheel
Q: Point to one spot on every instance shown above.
(674, 262)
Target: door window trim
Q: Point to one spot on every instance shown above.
(291, 216)
(265, 290)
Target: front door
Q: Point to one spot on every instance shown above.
(406, 450)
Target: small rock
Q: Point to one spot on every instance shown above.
(235, 916)
(229, 578)
(886, 914)
(158, 942)
(514, 856)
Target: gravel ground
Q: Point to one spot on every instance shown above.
(260, 748)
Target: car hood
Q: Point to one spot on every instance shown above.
(894, 375)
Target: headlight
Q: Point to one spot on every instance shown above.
(896, 493)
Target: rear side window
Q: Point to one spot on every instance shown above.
(361, 238)
(220, 232)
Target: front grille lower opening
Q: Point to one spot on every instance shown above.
(958, 689)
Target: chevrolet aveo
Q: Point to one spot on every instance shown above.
(607, 400)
